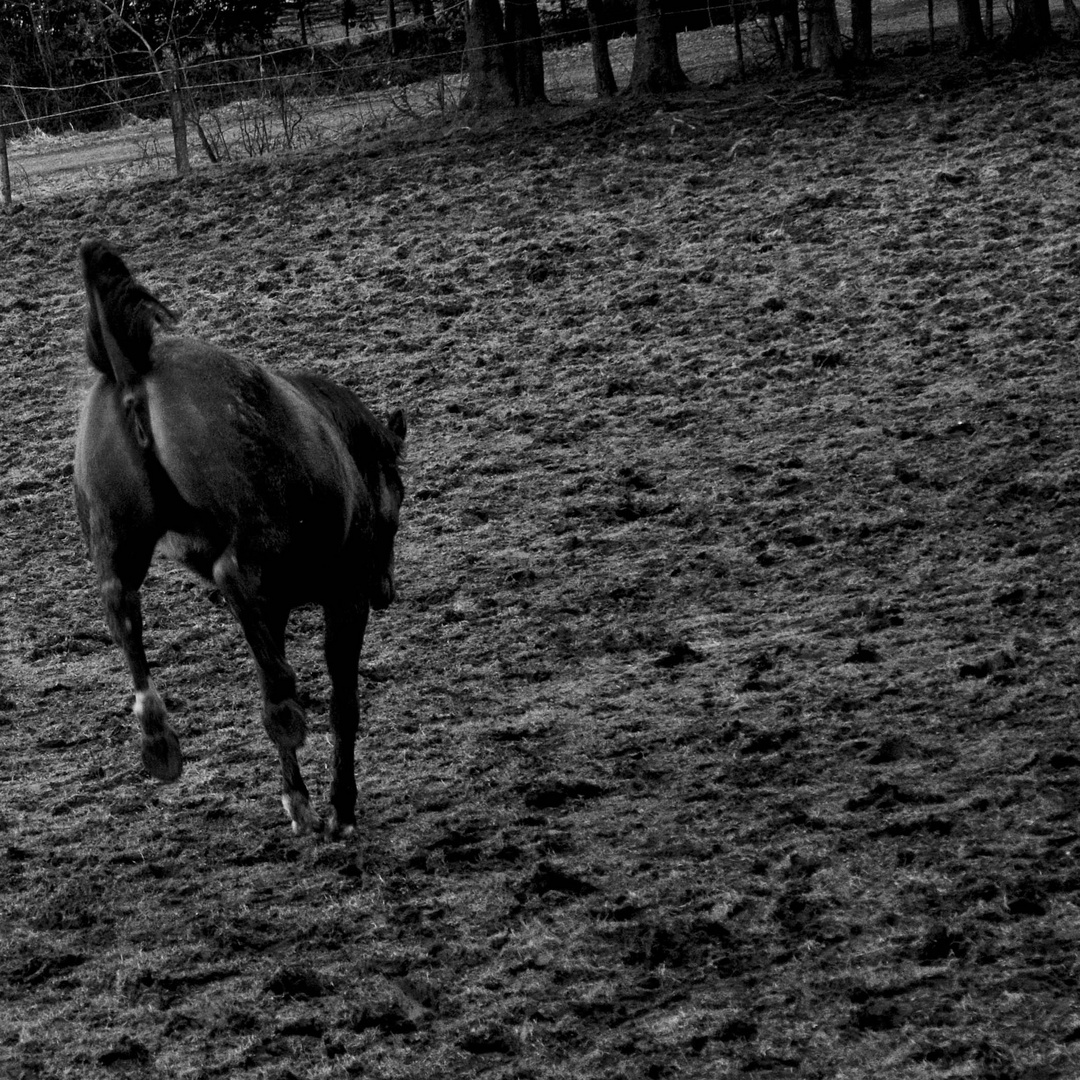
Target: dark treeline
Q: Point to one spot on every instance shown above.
(88, 63)
(50, 50)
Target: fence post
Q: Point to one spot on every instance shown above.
(736, 22)
(391, 26)
(176, 112)
(5, 172)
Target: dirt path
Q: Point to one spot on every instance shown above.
(87, 154)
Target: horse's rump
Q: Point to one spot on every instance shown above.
(292, 471)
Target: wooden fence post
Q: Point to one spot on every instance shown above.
(5, 172)
(391, 26)
(176, 113)
(736, 22)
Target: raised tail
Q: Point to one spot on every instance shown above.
(121, 317)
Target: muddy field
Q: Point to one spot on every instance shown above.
(726, 722)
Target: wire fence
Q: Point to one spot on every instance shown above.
(255, 106)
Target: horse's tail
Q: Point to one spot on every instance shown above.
(121, 317)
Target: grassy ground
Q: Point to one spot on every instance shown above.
(726, 723)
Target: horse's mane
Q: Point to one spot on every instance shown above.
(122, 315)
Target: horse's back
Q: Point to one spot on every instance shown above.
(245, 449)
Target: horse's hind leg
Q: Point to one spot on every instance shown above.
(160, 746)
(345, 625)
(121, 568)
(263, 623)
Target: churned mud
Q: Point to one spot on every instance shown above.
(726, 722)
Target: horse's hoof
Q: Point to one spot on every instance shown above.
(340, 830)
(310, 825)
(162, 758)
(304, 819)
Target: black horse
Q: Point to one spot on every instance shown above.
(280, 489)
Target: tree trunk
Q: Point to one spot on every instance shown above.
(736, 22)
(601, 58)
(485, 54)
(1031, 30)
(823, 34)
(862, 33)
(969, 21)
(775, 40)
(176, 114)
(792, 34)
(656, 67)
(391, 26)
(1072, 15)
(526, 55)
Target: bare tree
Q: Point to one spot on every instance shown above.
(485, 56)
(1072, 15)
(789, 14)
(736, 22)
(173, 85)
(823, 35)
(656, 67)
(1031, 30)
(166, 65)
(862, 31)
(970, 24)
(526, 54)
(601, 58)
(348, 16)
(505, 60)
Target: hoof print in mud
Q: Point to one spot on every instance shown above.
(125, 1053)
(297, 983)
(549, 879)
(557, 792)
(490, 1040)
